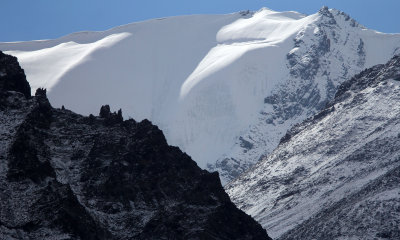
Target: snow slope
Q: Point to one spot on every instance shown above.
(336, 175)
(224, 88)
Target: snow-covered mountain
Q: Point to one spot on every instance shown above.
(224, 88)
(337, 174)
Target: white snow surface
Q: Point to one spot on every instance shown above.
(202, 78)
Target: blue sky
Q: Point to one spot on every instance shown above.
(22, 20)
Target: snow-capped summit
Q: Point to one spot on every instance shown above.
(224, 88)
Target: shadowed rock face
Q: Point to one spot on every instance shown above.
(66, 176)
(12, 76)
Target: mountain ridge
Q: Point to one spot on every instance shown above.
(68, 176)
(211, 82)
(334, 171)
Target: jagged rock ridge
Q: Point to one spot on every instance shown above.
(335, 175)
(66, 176)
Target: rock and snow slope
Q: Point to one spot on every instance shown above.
(335, 175)
(224, 88)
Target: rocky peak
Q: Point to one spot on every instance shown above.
(105, 111)
(324, 10)
(332, 17)
(110, 117)
(327, 15)
(12, 76)
(41, 93)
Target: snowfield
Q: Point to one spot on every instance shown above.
(224, 88)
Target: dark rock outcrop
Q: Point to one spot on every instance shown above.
(12, 76)
(66, 176)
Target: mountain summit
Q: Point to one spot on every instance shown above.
(224, 88)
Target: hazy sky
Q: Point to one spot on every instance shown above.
(42, 19)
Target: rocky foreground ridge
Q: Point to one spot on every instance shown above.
(67, 176)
